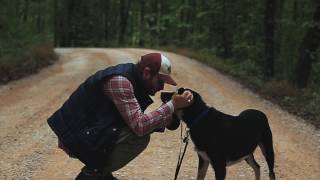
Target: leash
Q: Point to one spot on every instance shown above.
(180, 158)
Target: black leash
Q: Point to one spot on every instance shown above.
(186, 141)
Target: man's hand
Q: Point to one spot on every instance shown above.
(182, 100)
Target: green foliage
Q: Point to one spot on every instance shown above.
(312, 104)
(229, 35)
(280, 89)
(23, 23)
(304, 103)
(25, 33)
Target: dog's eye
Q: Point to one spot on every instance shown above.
(181, 90)
(166, 96)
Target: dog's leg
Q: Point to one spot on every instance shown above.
(202, 168)
(219, 169)
(266, 146)
(269, 155)
(255, 166)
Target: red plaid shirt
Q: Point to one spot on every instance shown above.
(120, 90)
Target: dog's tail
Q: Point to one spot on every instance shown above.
(266, 146)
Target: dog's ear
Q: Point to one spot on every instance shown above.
(181, 90)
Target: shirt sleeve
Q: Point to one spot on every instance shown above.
(120, 90)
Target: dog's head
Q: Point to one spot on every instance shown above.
(188, 113)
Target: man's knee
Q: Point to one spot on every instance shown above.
(126, 151)
(143, 141)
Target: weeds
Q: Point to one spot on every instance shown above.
(15, 66)
(305, 103)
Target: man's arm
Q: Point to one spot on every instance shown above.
(120, 90)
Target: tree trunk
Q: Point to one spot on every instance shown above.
(295, 11)
(124, 12)
(63, 23)
(17, 8)
(25, 11)
(66, 31)
(226, 35)
(39, 22)
(308, 47)
(56, 23)
(142, 33)
(278, 29)
(182, 30)
(106, 19)
(269, 26)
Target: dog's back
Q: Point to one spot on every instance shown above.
(236, 136)
(233, 138)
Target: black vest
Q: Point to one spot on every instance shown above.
(88, 123)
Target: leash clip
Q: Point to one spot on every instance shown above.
(186, 137)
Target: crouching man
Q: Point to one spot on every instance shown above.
(103, 123)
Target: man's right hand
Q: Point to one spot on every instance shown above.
(182, 100)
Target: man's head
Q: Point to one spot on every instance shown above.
(155, 69)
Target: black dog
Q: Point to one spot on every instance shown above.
(222, 139)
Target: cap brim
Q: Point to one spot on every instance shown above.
(167, 79)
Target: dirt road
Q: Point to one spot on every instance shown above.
(28, 148)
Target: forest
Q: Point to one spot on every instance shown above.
(272, 46)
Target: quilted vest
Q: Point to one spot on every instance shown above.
(88, 123)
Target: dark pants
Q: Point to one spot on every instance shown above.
(126, 149)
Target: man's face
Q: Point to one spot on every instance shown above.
(153, 83)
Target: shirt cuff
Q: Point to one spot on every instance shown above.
(170, 104)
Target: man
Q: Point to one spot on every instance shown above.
(103, 123)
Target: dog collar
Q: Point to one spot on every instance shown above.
(194, 121)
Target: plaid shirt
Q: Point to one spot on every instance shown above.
(120, 90)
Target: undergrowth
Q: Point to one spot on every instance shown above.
(20, 64)
(304, 103)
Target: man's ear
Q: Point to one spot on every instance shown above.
(146, 73)
(181, 90)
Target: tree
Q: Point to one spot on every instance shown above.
(124, 13)
(106, 16)
(142, 21)
(308, 47)
(269, 27)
